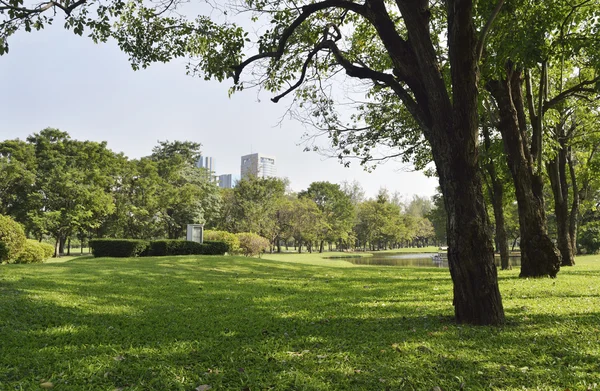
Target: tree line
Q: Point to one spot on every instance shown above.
(63, 189)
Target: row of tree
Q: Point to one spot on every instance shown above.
(62, 188)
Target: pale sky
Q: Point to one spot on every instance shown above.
(53, 78)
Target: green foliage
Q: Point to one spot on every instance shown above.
(3, 251)
(118, 247)
(232, 241)
(32, 252)
(47, 248)
(589, 237)
(12, 237)
(252, 206)
(252, 244)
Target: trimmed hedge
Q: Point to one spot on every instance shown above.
(32, 252)
(119, 248)
(232, 241)
(214, 247)
(164, 247)
(13, 238)
(154, 248)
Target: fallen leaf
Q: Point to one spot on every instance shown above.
(203, 387)
(47, 385)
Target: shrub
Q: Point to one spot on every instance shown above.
(48, 250)
(232, 241)
(214, 247)
(118, 247)
(32, 252)
(13, 238)
(185, 247)
(252, 244)
(173, 247)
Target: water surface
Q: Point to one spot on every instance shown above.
(413, 259)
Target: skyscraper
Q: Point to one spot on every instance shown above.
(207, 162)
(225, 181)
(259, 165)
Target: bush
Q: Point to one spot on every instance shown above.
(12, 237)
(252, 244)
(164, 247)
(184, 247)
(32, 252)
(232, 241)
(48, 250)
(214, 247)
(118, 247)
(589, 237)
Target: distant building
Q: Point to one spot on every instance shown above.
(258, 165)
(226, 181)
(208, 163)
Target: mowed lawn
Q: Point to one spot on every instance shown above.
(297, 323)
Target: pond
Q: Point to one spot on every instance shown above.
(413, 259)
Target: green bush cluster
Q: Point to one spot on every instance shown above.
(232, 241)
(136, 247)
(12, 237)
(48, 249)
(32, 252)
(252, 244)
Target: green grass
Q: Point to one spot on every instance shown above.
(234, 323)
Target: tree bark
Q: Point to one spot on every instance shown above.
(539, 256)
(557, 172)
(574, 217)
(496, 191)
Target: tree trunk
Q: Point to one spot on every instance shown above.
(574, 216)
(496, 191)
(57, 247)
(321, 246)
(539, 256)
(557, 170)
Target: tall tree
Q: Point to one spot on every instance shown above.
(336, 208)
(396, 47)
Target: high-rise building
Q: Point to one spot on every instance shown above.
(226, 181)
(259, 165)
(206, 162)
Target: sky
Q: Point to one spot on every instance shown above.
(53, 78)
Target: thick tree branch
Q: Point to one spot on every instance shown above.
(584, 86)
(486, 29)
(307, 11)
(40, 8)
(389, 80)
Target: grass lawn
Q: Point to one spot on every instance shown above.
(187, 323)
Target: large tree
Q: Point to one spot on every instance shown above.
(396, 48)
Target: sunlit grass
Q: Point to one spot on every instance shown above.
(291, 322)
